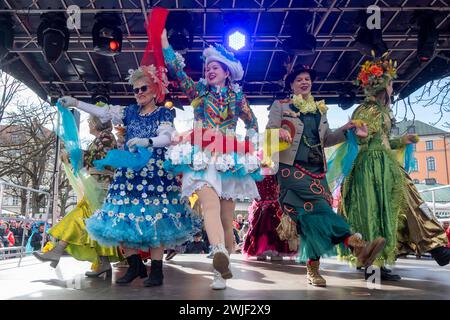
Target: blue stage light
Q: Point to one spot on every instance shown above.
(237, 40)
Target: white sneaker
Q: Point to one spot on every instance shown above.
(221, 261)
(218, 283)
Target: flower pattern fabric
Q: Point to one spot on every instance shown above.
(143, 208)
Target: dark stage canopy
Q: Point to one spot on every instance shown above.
(334, 24)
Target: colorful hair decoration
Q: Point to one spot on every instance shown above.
(376, 75)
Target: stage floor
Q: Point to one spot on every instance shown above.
(189, 277)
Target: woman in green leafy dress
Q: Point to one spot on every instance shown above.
(378, 196)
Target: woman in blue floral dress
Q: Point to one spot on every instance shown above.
(143, 208)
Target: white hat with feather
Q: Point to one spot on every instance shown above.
(220, 54)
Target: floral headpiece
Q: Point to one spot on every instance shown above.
(375, 75)
(157, 75)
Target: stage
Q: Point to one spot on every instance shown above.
(188, 277)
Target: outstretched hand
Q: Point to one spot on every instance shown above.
(360, 128)
(68, 102)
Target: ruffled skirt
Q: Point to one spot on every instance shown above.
(72, 229)
(230, 173)
(143, 209)
(262, 236)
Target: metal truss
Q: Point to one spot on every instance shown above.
(404, 43)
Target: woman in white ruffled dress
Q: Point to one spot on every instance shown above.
(214, 164)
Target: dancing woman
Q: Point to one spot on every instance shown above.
(262, 239)
(218, 104)
(143, 208)
(378, 197)
(304, 192)
(71, 230)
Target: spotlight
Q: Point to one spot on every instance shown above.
(6, 35)
(107, 35)
(236, 39)
(300, 42)
(235, 35)
(368, 40)
(53, 35)
(347, 99)
(100, 94)
(428, 35)
(180, 30)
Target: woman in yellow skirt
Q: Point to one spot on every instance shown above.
(71, 230)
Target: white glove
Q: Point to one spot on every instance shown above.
(142, 142)
(68, 102)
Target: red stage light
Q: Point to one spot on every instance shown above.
(114, 45)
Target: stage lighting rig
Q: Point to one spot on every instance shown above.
(368, 40)
(180, 30)
(428, 35)
(300, 42)
(236, 36)
(53, 35)
(236, 39)
(6, 35)
(100, 93)
(107, 34)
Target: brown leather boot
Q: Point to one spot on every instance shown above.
(366, 252)
(313, 276)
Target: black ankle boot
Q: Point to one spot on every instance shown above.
(441, 255)
(136, 269)
(156, 275)
(384, 269)
(385, 275)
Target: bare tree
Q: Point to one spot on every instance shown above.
(434, 94)
(9, 88)
(27, 152)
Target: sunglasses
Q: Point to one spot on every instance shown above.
(143, 89)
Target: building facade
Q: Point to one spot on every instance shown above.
(432, 152)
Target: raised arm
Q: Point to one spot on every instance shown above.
(175, 65)
(105, 113)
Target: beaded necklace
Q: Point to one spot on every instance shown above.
(309, 173)
(222, 95)
(310, 145)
